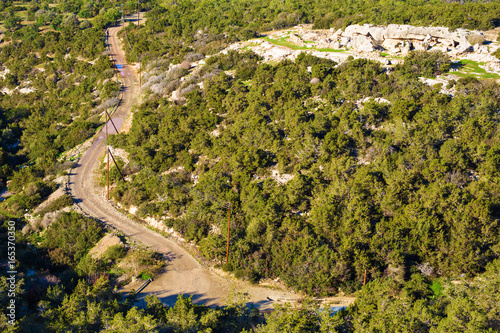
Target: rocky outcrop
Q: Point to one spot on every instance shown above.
(400, 46)
(362, 43)
(396, 38)
(373, 42)
(396, 31)
(481, 49)
(375, 32)
(463, 48)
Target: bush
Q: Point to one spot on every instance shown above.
(32, 195)
(70, 237)
(85, 25)
(438, 86)
(239, 274)
(115, 252)
(89, 265)
(426, 64)
(63, 201)
(497, 53)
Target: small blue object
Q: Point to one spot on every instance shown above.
(119, 66)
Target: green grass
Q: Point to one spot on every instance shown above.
(249, 46)
(383, 54)
(23, 15)
(329, 50)
(115, 271)
(437, 289)
(146, 276)
(472, 68)
(283, 41)
(36, 237)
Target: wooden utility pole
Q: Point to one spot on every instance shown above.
(107, 159)
(228, 224)
(364, 281)
(124, 29)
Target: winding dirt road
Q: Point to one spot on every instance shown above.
(183, 274)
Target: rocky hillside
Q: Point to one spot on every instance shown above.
(382, 43)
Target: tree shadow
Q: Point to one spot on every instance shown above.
(456, 66)
(265, 303)
(170, 300)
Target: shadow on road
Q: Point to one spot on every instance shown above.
(170, 300)
(196, 298)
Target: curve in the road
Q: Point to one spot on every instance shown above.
(183, 274)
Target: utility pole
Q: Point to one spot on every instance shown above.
(107, 159)
(228, 224)
(364, 281)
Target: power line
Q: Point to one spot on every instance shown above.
(228, 224)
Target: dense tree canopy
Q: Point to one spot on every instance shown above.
(370, 185)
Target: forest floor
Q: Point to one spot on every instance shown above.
(183, 274)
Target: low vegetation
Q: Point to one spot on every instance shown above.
(362, 177)
(470, 68)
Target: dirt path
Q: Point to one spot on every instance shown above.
(183, 274)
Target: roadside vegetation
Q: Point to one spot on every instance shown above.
(56, 81)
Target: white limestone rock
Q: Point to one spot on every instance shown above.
(462, 48)
(405, 49)
(367, 30)
(344, 41)
(392, 45)
(481, 49)
(362, 44)
(397, 31)
(385, 62)
(420, 46)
